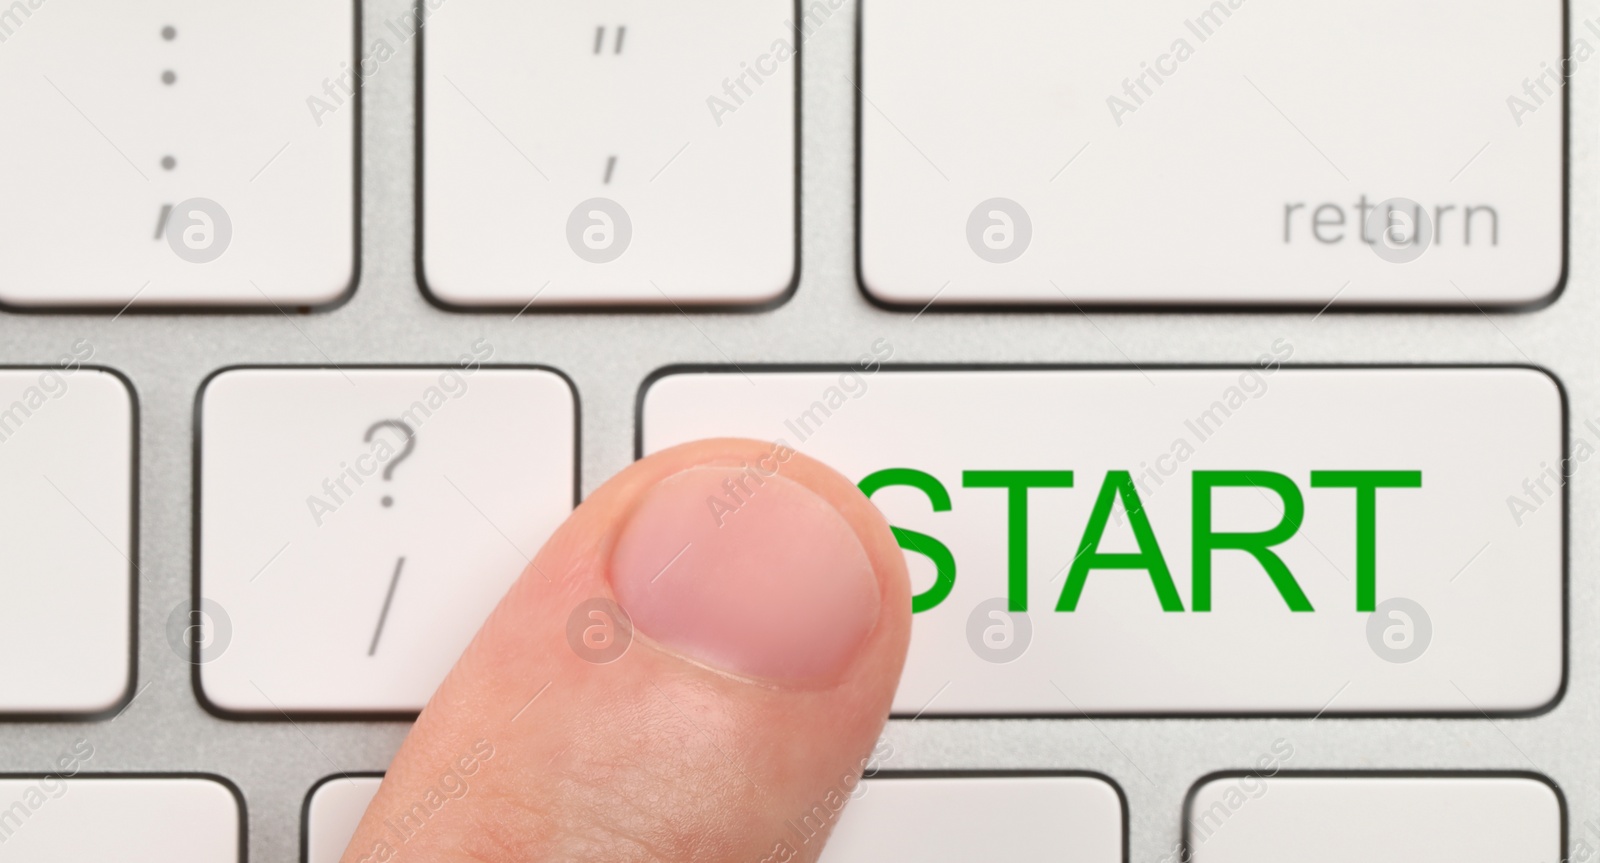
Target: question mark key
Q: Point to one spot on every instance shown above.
(315, 482)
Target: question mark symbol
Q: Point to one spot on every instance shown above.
(405, 452)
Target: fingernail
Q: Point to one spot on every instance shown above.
(758, 576)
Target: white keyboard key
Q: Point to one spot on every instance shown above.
(206, 157)
(615, 152)
(130, 820)
(67, 451)
(1246, 818)
(963, 819)
(333, 811)
(343, 569)
(1175, 152)
(1443, 598)
(955, 819)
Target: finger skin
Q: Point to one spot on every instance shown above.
(530, 752)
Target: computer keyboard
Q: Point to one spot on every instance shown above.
(1224, 369)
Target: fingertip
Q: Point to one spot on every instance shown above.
(758, 560)
(750, 611)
